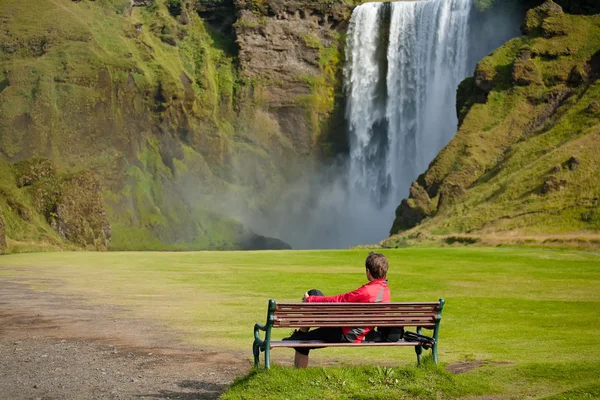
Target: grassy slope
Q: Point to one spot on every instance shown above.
(516, 311)
(509, 146)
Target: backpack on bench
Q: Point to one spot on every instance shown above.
(425, 341)
(385, 334)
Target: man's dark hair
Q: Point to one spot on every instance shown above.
(377, 265)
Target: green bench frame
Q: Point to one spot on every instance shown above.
(426, 315)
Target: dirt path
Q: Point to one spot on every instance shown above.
(56, 347)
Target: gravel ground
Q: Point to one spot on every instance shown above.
(56, 347)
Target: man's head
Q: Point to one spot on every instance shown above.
(377, 265)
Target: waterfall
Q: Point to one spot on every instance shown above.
(401, 107)
(404, 61)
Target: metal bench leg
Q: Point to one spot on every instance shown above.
(267, 357)
(256, 352)
(419, 349)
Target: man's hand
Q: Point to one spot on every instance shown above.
(306, 296)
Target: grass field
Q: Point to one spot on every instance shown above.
(529, 319)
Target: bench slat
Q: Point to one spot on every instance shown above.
(316, 343)
(330, 324)
(398, 303)
(352, 320)
(371, 315)
(357, 306)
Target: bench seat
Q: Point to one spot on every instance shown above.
(423, 315)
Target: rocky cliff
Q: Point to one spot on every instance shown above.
(526, 158)
(181, 108)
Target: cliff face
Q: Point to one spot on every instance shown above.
(181, 108)
(526, 157)
(292, 51)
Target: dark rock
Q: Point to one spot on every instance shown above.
(258, 242)
(553, 184)
(32, 170)
(578, 75)
(573, 163)
(594, 66)
(465, 97)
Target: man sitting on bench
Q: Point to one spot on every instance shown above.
(373, 292)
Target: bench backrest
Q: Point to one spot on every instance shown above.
(298, 315)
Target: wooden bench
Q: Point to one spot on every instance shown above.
(305, 315)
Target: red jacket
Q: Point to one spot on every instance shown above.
(376, 290)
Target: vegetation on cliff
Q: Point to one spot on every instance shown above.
(160, 103)
(526, 157)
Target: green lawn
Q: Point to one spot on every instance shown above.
(531, 317)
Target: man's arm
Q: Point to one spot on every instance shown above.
(359, 295)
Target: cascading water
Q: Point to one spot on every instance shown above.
(404, 61)
(400, 110)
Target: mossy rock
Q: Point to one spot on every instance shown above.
(45, 195)
(28, 172)
(449, 194)
(484, 76)
(553, 184)
(412, 211)
(526, 73)
(20, 209)
(80, 215)
(536, 16)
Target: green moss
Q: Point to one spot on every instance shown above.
(32, 170)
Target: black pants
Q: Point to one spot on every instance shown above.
(328, 335)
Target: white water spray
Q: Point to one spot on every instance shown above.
(400, 117)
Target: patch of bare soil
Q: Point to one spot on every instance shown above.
(466, 366)
(56, 347)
